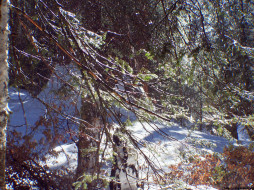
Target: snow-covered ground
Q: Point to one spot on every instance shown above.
(163, 150)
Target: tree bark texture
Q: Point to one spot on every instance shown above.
(88, 157)
(3, 87)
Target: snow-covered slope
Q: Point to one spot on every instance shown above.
(163, 151)
(165, 145)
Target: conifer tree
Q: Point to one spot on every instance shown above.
(157, 59)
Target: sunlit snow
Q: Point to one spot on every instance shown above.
(163, 150)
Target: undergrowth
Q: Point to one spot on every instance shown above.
(234, 168)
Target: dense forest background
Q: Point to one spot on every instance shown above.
(91, 61)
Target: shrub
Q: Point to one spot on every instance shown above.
(233, 169)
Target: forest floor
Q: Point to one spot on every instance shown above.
(170, 145)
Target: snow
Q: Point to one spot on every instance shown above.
(33, 109)
(165, 147)
(66, 157)
(162, 151)
(25, 111)
(243, 136)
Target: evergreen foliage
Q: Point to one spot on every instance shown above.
(159, 60)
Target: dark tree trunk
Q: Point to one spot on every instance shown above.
(88, 158)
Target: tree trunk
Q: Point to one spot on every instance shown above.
(3, 87)
(88, 160)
